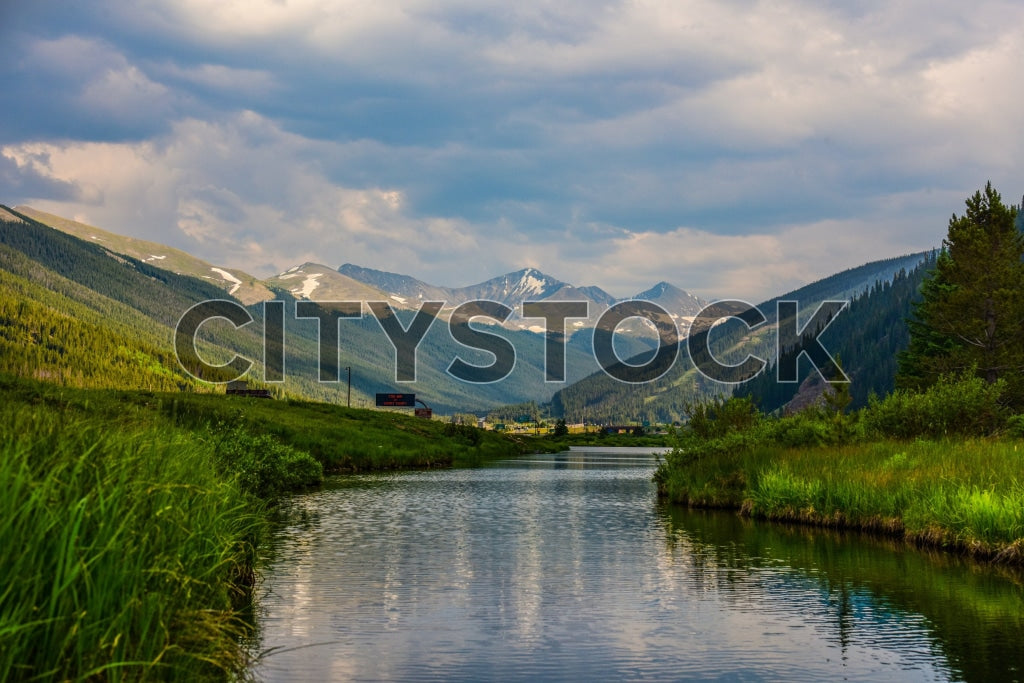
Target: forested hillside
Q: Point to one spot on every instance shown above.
(867, 337)
(48, 336)
(601, 398)
(237, 283)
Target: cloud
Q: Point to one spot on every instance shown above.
(219, 77)
(235, 191)
(733, 148)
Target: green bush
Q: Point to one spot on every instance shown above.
(263, 466)
(717, 417)
(467, 434)
(964, 406)
(802, 430)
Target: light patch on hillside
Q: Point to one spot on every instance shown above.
(236, 283)
(8, 217)
(531, 284)
(308, 286)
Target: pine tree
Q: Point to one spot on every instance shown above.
(971, 315)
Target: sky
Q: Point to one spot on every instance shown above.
(736, 149)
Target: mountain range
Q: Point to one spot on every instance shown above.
(868, 334)
(317, 282)
(528, 284)
(75, 287)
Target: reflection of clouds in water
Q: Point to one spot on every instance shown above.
(552, 570)
(526, 578)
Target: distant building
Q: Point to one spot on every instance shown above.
(240, 387)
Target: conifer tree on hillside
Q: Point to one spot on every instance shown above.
(971, 315)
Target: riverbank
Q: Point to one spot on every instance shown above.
(131, 520)
(341, 439)
(963, 494)
(940, 468)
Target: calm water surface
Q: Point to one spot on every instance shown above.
(566, 567)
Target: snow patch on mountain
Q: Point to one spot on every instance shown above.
(235, 282)
(309, 286)
(531, 284)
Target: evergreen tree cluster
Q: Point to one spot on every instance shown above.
(971, 315)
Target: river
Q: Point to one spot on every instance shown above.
(566, 567)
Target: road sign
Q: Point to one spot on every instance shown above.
(396, 400)
(425, 413)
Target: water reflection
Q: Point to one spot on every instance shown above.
(873, 590)
(566, 567)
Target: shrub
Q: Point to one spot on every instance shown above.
(963, 405)
(1015, 426)
(263, 466)
(802, 430)
(467, 434)
(717, 417)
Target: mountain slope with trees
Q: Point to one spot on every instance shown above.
(237, 283)
(867, 337)
(75, 293)
(600, 398)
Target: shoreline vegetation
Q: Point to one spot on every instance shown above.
(940, 468)
(131, 520)
(938, 461)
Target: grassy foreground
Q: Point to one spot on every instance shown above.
(130, 521)
(960, 494)
(127, 554)
(944, 468)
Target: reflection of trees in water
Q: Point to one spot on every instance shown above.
(974, 614)
(844, 616)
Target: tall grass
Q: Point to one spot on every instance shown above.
(942, 466)
(964, 493)
(125, 554)
(129, 520)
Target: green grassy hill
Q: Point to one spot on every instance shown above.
(106, 319)
(237, 283)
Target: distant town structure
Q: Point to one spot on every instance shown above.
(240, 387)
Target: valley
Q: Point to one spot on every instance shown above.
(151, 285)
